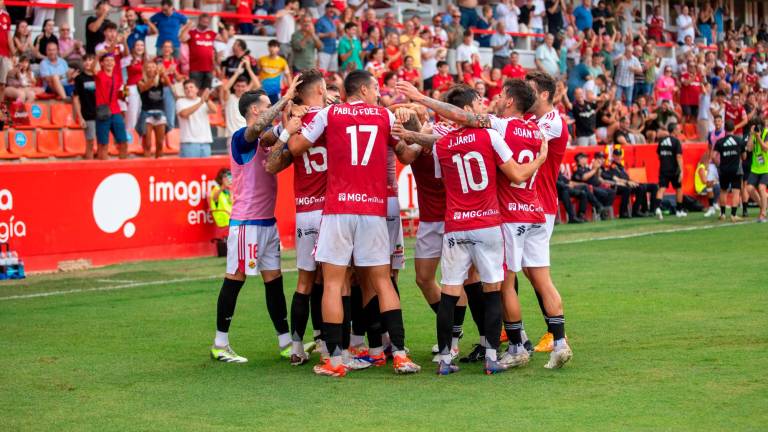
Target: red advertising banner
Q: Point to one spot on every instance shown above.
(113, 211)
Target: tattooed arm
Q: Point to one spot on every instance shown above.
(446, 110)
(279, 157)
(267, 117)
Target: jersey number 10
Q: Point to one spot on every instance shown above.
(467, 178)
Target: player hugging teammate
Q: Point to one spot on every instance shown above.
(493, 213)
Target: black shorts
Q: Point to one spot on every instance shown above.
(666, 178)
(729, 180)
(758, 179)
(691, 110)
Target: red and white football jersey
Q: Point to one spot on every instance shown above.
(356, 136)
(391, 173)
(466, 160)
(555, 131)
(430, 190)
(201, 51)
(309, 172)
(519, 203)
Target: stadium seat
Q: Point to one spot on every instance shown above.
(217, 118)
(48, 142)
(74, 141)
(62, 116)
(4, 153)
(136, 147)
(39, 115)
(638, 174)
(172, 142)
(690, 133)
(21, 142)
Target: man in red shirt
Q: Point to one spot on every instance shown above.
(5, 45)
(443, 80)
(202, 56)
(690, 90)
(109, 82)
(735, 112)
(513, 69)
(357, 134)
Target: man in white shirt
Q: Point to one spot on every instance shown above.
(508, 13)
(537, 17)
(465, 50)
(547, 59)
(285, 27)
(194, 126)
(684, 26)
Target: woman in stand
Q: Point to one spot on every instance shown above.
(152, 118)
(134, 68)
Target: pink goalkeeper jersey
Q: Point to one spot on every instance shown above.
(254, 190)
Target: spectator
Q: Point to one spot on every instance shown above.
(202, 54)
(429, 57)
(501, 44)
(735, 112)
(468, 10)
(455, 33)
(6, 46)
(409, 73)
(134, 68)
(706, 23)
(393, 53)
(113, 43)
(94, 26)
(169, 25)
(21, 82)
(524, 18)
(245, 24)
(370, 22)
(600, 16)
(439, 35)
(626, 67)
(485, 22)
(411, 43)
(153, 114)
(685, 25)
(170, 68)
(373, 40)
(43, 39)
(390, 24)
(84, 102)
(656, 24)
(513, 69)
(71, 49)
(109, 82)
(285, 27)
(547, 60)
(22, 41)
(582, 15)
(591, 174)
(273, 69)
(554, 16)
(350, 48)
(194, 126)
(305, 44)
(443, 80)
(666, 86)
(137, 28)
(690, 92)
(665, 116)
(625, 134)
(466, 50)
(326, 31)
(56, 73)
(536, 21)
(239, 53)
(376, 65)
(585, 116)
(564, 195)
(625, 187)
(230, 94)
(224, 42)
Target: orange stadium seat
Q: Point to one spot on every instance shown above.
(48, 142)
(136, 147)
(39, 115)
(21, 142)
(217, 118)
(62, 116)
(172, 142)
(4, 153)
(74, 141)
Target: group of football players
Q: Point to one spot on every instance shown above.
(487, 204)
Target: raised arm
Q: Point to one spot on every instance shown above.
(446, 110)
(267, 117)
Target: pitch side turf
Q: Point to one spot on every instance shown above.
(669, 332)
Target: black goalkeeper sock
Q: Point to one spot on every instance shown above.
(734, 209)
(458, 320)
(557, 326)
(316, 305)
(358, 320)
(299, 316)
(445, 316)
(225, 306)
(722, 211)
(278, 312)
(373, 321)
(345, 325)
(514, 331)
(475, 302)
(492, 303)
(392, 321)
(434, 306)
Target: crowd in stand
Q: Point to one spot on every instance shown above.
(614, 84)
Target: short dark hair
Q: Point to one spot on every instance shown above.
(249, 98)
(189, 81)
(460, 95)
(166, 3)
(273, 43)
(521, 92)
(355, 80)
(467, 33)
(241, 43)
(109, 25)
(349, 25)
(309, 78)
(729, 126)
(671, 127)
(544, 83)
(442, 63)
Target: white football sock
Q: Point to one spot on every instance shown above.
(356, 340)
(490, 354)
(222, 339)
(284, 340)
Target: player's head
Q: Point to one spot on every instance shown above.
(673, 128)
(311, 89)
(543, 86)
(361, 85)
(464, 97)
(729, 126)
(332, 94)
(515, 99)
(252, 103)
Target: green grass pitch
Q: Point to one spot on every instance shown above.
(667, 322)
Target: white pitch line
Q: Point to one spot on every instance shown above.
(122, 281)
(201, 278)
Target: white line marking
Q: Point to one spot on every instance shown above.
(201, 278)
(121, 281)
